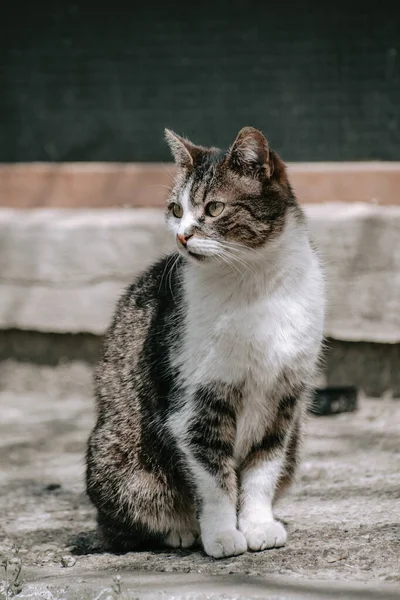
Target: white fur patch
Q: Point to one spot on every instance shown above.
(248, 329)
(258, 485)
(188, 220)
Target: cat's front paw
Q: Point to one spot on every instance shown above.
(260, 536)
(225, 543)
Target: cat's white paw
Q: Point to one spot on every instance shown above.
(225, 543)
(182, 539)
(260, 536)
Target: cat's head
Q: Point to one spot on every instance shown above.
(227, 204)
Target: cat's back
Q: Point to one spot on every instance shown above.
(137, 340)
(156, 288)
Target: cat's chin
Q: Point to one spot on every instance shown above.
(198, 258)
(194, 256)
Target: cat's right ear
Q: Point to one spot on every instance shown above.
(183, 151)
(250, 154)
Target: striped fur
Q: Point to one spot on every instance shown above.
(209, 362)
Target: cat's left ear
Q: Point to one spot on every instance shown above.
(250, 154)
(184, 152)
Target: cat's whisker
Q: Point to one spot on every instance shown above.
(230, 243)
(172, 178)
(241, 261)
(167, 262)
(159, 185)
(243, 253)
(170, 275)
(230, 259)
(241, 247)
(233, 248)
(226, 260)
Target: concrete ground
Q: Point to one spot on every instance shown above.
(343, 514)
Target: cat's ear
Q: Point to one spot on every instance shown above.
(250, 154)
(184, 152)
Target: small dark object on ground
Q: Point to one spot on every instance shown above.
(334, 400)
(52, 487)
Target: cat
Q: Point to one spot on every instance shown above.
(209, 362)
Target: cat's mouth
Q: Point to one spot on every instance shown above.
(194, 251)
(196, 256)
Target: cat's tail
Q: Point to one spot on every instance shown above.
(120, 537)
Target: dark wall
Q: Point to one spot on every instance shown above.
(322, 80)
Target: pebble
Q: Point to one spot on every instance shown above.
(68, 561)
(393, 577)
(337, 558)
(333, 555)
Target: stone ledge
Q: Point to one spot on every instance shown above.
(359, 245)
(104, 185)
(61, 271)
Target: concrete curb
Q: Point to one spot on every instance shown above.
(61, 270)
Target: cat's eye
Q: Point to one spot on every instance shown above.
(177, 210)
(214, 209)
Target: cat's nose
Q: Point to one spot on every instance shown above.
(183, 237)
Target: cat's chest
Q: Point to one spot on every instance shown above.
(240, 343)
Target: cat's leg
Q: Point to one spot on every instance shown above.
(205, 429)
(261, 476)
(259, 479)
(292, 452)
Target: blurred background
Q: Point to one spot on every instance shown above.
(99, 82)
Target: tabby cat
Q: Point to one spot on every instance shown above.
(209, 362)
